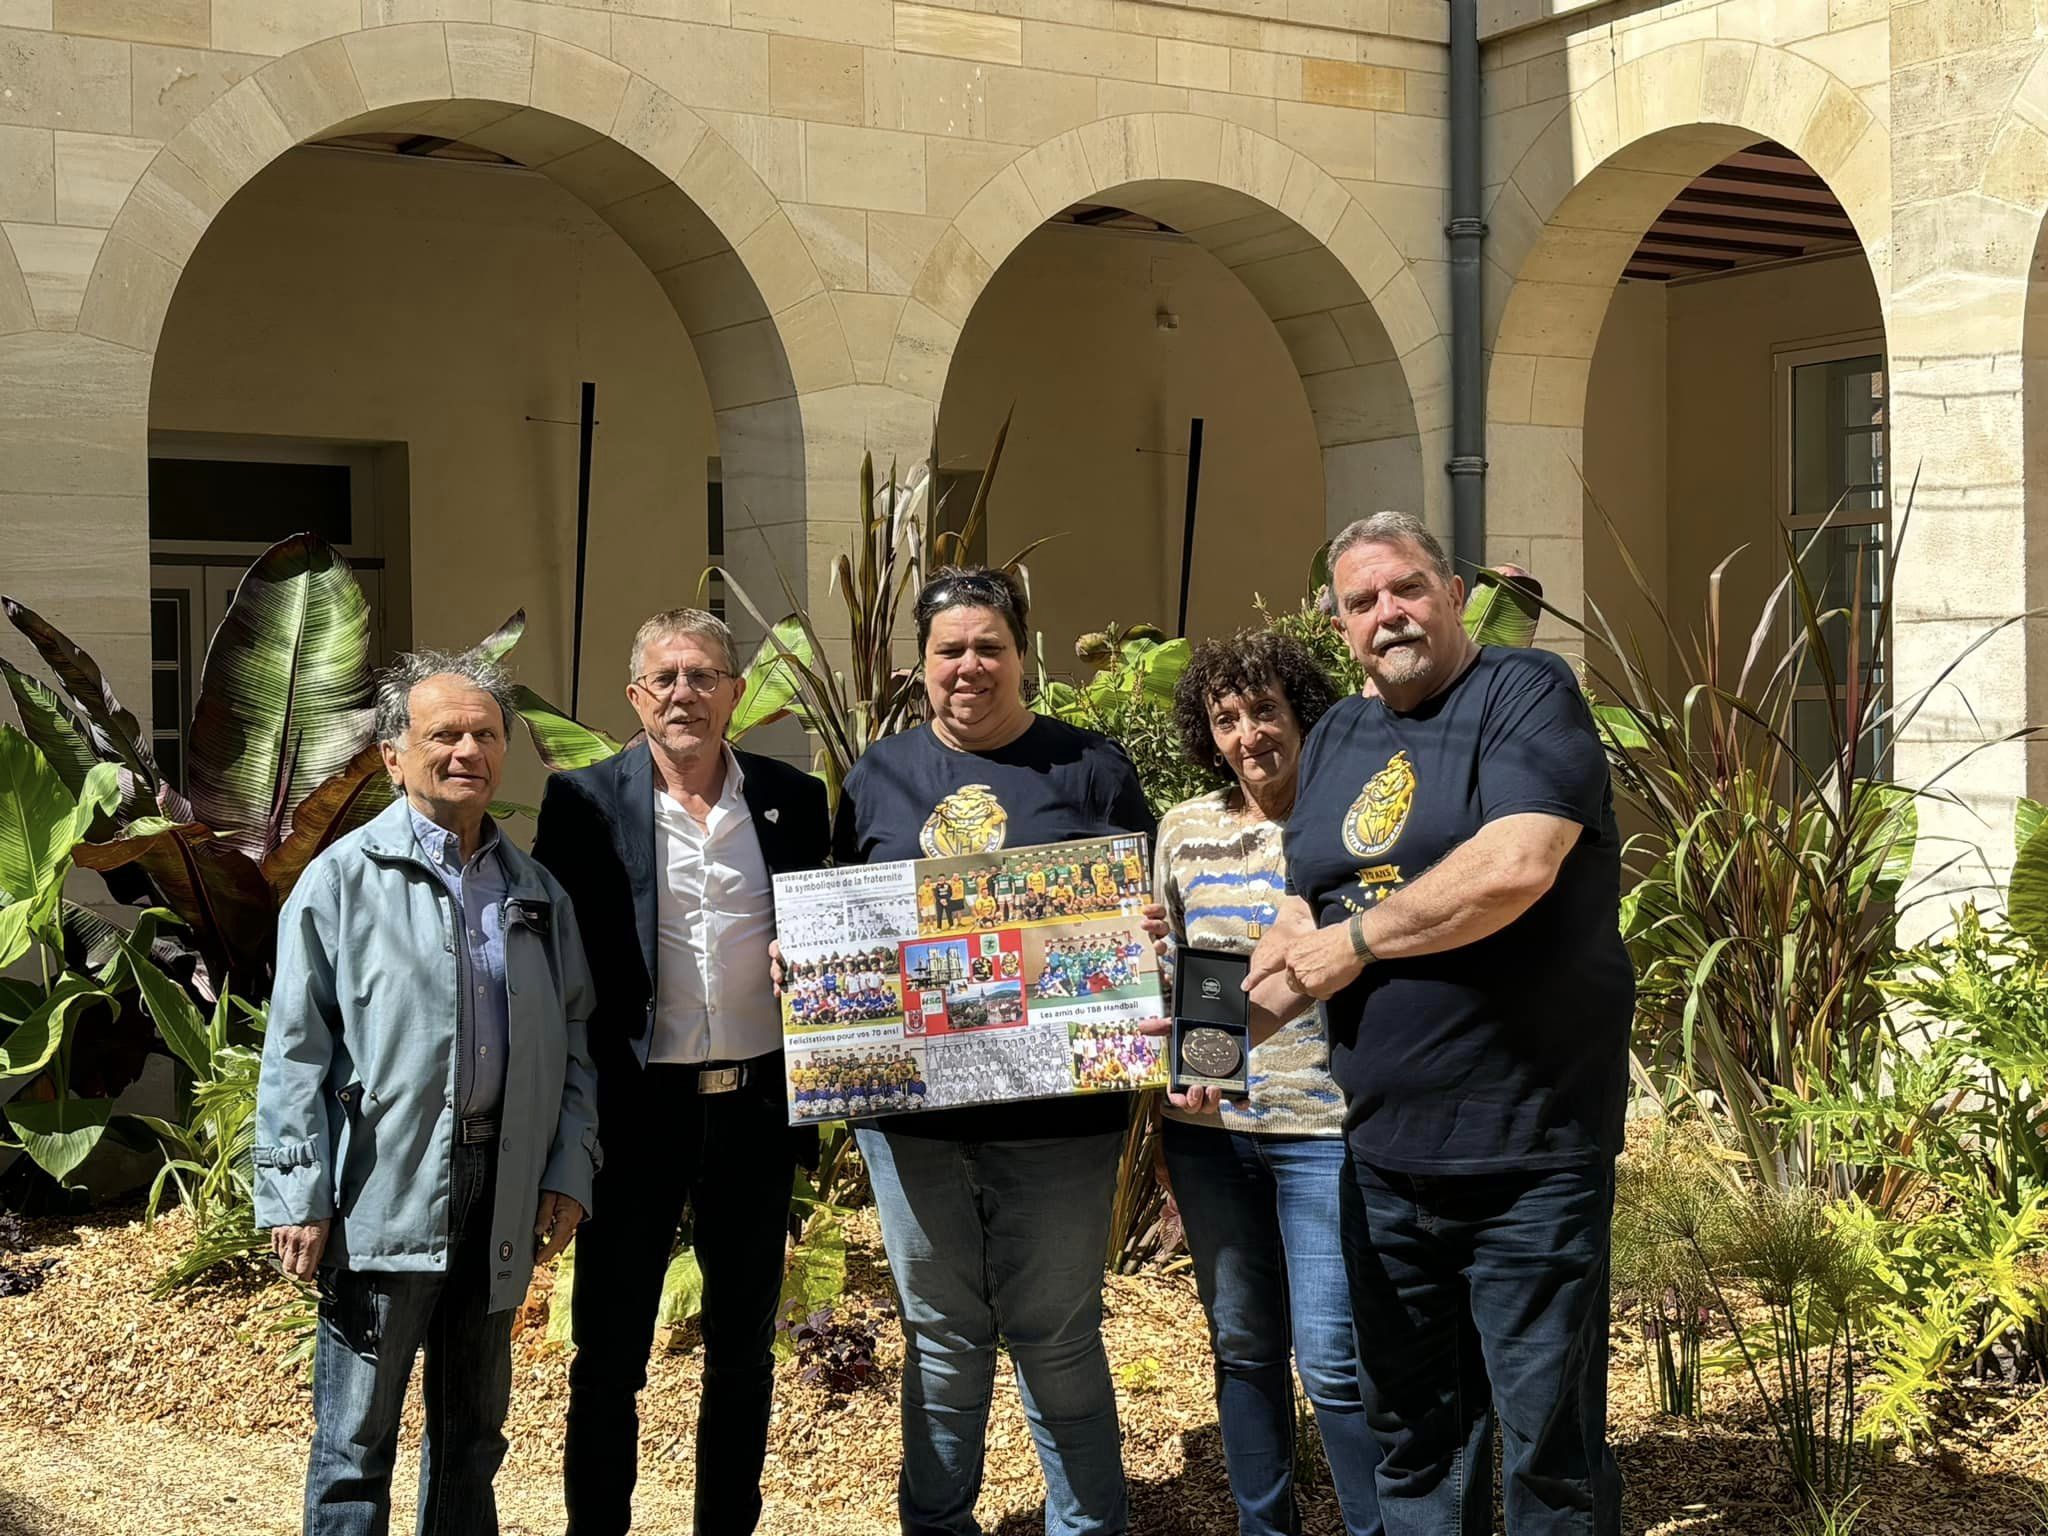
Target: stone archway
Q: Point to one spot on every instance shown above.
(1577, 203)
(724, 252)
(1372, 357)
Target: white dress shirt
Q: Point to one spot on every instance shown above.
(714, 916)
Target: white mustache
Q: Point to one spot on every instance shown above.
(1409, 630)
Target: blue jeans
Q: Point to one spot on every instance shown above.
(1483, 1297)
(1001, 1238)
(1261, 1220)
(372, 1324)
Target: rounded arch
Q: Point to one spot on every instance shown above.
(1373, 359)
(690, 206)
(1575, 206)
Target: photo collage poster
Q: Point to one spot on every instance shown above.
(1023, 973)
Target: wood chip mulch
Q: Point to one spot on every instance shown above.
(122, 1414)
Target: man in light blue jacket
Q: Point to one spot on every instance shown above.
(426, 1124)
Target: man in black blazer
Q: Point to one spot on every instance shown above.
(666, 851)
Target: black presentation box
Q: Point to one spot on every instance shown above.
(1210, 1016)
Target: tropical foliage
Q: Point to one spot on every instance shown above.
(1879, 1111)
(1849, 1204)
(42, 823)
(280, 758)
(1130, 699)
(1771, 860)
(900, 539)
(1673, 1231)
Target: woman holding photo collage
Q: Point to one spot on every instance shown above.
(1257, 1183)
(997, 1211)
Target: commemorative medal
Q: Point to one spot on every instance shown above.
(1209, 1052)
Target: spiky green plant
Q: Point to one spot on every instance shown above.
(1766, 883)
(1674, 1225)
(855, 692)
(1812, 1281)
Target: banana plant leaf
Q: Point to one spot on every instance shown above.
(561, 742)
(41, 823)
(91, 942)
(60, 1133)
(32, 1044)
(18, 999)
(14, 929)
(682, 1289)
(499, 642)
(1500, 611)
(36, 814)
(1157, 667)
(215, 890)
(2027, 818)
(285, 697)
(346, 801)
(177, 1019)
(49, 722)
(2026, 906)
(113, 731)
(66, 742)
(772, 682)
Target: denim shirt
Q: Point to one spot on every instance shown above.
(482, 1033)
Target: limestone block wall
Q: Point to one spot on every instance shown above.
(1930, 122)
(822, 188)
(1595, 119)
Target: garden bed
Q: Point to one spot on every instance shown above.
(122, 1414)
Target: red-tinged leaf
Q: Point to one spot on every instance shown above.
(216, 890)
(116, 734)
(285, 698)
(499, 642)
(346, 801)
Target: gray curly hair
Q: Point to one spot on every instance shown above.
(397, 681)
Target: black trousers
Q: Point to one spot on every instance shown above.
(731, 1158)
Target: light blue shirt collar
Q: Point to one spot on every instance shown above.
(443, 847)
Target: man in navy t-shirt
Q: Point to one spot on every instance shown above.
(1456, 876)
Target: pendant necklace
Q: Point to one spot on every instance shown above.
(1262, 913)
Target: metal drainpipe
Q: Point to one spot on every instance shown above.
(1467, 236)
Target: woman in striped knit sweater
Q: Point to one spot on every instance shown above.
(1257, 1182)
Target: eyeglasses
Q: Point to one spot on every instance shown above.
(696, 679)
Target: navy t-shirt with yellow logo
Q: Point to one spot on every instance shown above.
(1506, 1054)
(912, 797)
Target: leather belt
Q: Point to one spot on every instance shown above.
(729, 1076)
(472, 1129)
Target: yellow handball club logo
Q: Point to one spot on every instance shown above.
(1374, 822)
(969, 820)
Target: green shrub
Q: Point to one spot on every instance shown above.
(1674, 1227)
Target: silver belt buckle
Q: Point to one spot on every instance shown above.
(718, 1079)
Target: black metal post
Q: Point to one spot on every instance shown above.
(1187, 537)
(1467, 236)
(588, 422)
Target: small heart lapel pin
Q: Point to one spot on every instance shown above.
(773, 813)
